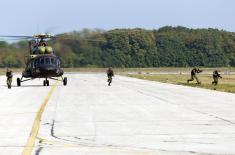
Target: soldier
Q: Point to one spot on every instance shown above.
(194, 71)
(110, 74)
(9, 78)
(216, 77)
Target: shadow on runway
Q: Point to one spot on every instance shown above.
(31, 86)
(26, 86)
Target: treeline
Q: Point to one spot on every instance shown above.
(165, 47)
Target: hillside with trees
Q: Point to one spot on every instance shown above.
(165, 47)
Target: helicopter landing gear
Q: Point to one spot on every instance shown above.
(46, 83)
(65, 81)
(18, 82)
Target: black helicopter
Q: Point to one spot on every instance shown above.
(42, 61)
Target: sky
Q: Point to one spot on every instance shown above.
(27, 17)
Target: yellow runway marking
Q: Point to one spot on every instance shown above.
(28, 148)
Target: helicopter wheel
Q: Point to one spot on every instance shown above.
(18, 82)
(65, 81)
(47, 82)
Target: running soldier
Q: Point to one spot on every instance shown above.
(194, 73)
(216, 77)
(110, 74)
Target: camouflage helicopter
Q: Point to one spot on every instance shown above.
(42, 61)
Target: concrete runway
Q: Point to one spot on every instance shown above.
(132, 117)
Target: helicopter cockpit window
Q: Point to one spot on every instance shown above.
(47, 61)
(42, 61)
(53, 61)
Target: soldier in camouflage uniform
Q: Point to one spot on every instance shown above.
(216, 77)
(110, 74)
(194, 73)
(9, 76)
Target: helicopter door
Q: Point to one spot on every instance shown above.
(58, 63)
(28, 67)
(33, 66)
(36, 63)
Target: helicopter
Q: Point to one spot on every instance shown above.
(42, 61)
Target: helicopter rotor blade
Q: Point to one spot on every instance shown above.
(48, 36)
(9, 39)
(7, 36)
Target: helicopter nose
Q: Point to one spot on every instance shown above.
(48, 69)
